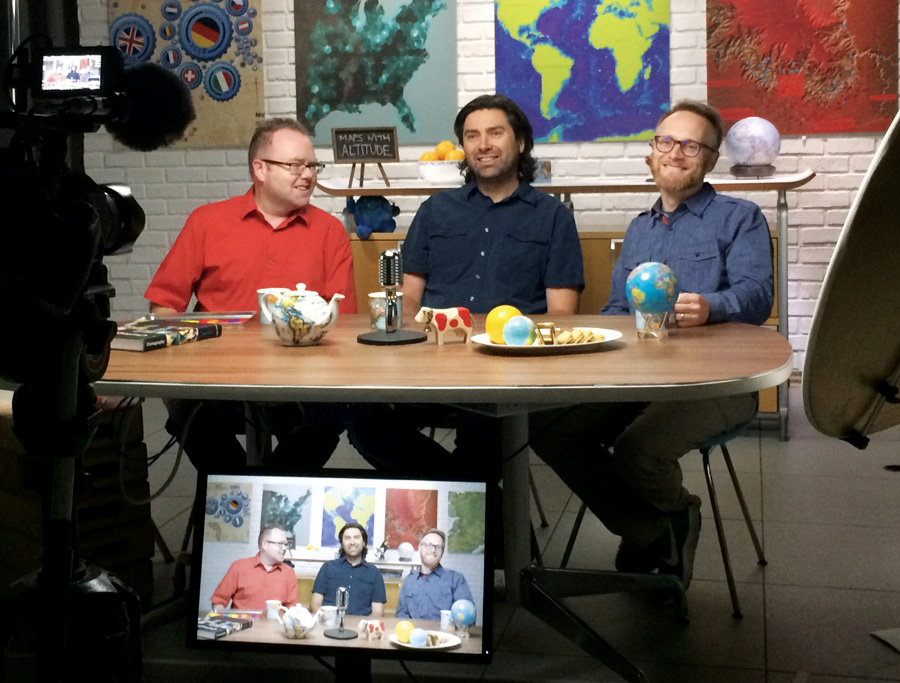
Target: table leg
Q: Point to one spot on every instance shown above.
(783, 320)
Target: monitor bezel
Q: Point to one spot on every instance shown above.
(297, 647)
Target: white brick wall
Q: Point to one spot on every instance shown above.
(171, 183)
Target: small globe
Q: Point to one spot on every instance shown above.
(463, 612)
(651, 288)
(753, 145)
(405, 551)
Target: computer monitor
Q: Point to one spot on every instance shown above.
(395, 511)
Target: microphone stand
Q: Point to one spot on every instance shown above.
(340, 633)
(390, 276)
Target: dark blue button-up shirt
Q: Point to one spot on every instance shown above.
(423, 596)
(476, 253)
(717, 246)
(363, 582)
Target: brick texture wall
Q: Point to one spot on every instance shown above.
(169, 184)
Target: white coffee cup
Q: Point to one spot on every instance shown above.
(272, 608)
(328, 615)
(446, 620)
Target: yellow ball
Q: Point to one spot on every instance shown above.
(403, 629)
(496, 319)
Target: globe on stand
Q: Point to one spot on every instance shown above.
(753, 145)
(462, 613)
(652, 289)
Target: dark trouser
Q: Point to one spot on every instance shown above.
(307, 433)
(635, 488)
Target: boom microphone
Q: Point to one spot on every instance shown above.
(157, 110)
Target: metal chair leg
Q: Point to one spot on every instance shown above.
(573, 535)
(720, 532)
(760, 554)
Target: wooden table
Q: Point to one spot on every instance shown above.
(249, 363)
(269, 631)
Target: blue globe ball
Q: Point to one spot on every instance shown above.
(651, 288)
(418, 637)
(462, 612)
(519, 331)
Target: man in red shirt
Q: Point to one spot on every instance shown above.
(269, 237)
(253, 580)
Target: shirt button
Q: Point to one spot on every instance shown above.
(471, 298)
(482, 253)
(487, 229)
(477, 277)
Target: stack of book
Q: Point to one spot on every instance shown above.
(158, 331)
(219, 626)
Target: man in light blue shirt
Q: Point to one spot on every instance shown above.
(433, 587)
(721, 253)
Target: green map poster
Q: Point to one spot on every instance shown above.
(585, 70)
(378, 63)
(466, 511)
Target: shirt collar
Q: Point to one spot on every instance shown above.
(259, 563)
(524, 191)
(439, 570)
(249, 208)
(696, 203)
(344, 559)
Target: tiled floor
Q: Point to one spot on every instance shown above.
(829, 519)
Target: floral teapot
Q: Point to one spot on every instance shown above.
(302, 317)
(297, 620)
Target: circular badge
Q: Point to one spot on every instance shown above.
(191, 74)
(171, 10)
(167, 31)
(205, 31)
(134, 36)
(236, 7)
(170, 57)
(243, 27)
(222, 81)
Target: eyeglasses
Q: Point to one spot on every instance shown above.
(283, 545)
(431, 546)
(297, 168)
(664, 144)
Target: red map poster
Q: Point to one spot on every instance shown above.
(808, 66)
(408, 514)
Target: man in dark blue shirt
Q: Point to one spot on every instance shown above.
(364, 583)
(496, 240)
(721, 253)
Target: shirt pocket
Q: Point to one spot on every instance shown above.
(696, 270)
(522, 253)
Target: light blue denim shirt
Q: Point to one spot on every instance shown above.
(717, 246)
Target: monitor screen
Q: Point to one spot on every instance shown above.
(73, 72)
(435, 590)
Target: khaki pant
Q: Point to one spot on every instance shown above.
(621, 459)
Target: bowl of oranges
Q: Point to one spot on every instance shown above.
(442, 165)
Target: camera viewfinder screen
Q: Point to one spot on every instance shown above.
(270, 561)
(76, 72)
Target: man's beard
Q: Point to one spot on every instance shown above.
(679, 184)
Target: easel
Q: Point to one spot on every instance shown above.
(362, 171)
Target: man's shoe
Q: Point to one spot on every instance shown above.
(636, 561)
(684, 532)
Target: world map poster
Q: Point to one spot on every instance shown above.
(808, 66)
(345, 504)
(377, 63)
(584, 70)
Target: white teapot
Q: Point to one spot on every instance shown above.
(296, 620)
(302, 317)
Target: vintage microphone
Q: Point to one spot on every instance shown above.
(341, 599)
(390, 277)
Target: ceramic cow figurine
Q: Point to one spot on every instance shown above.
(371, 629)
(444, 319)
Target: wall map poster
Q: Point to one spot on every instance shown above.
(216, 50)
(378, 63)
(584, 70)
(808, 66)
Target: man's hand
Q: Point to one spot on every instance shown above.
(691, 310)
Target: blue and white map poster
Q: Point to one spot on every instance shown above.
(585, 70)
(215, 48)
(377, 63)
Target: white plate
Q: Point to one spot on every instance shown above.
(542, 349)
(452, 641)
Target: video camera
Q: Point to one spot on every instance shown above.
(59, 223)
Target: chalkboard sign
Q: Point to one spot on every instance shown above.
(364, 145)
